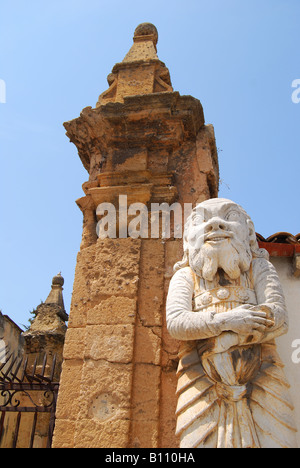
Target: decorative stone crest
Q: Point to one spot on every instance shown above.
(223, 294)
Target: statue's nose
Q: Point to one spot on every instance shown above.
(215, 224)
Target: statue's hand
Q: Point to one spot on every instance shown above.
(218, 344)
(242, 320)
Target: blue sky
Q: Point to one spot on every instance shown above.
(238, 57)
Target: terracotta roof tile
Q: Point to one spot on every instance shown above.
(280, 238)
(281, 244)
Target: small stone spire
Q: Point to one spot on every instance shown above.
(56, 293)
(144, 44)
(50, 315)
(46, 334)
(141, 72)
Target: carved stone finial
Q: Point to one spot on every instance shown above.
(58, 280)
(56, 294)
(144, 44)
(140, 72)
(146, 31)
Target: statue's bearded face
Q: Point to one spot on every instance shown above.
(218, 236)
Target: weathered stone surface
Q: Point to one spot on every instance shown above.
(104, 417)
(107, 268)
(106, 378)
(114, 310)
(94, 434)
(148, 341)
(114, 343)
(47, 331)
(168, 408)
(146, 434)
(151, 293)
(65, 427)
(71, 381)
(144, 394)
(74, 344)
(47, 320)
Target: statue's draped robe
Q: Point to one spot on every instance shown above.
(232, 392)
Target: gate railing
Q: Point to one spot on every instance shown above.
(27, 388)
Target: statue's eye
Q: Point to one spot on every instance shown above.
(198, 219)
(232, 216)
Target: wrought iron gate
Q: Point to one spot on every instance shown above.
(27, 388)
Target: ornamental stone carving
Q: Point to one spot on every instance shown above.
(226, 306)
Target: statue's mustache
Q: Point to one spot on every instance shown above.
(220, 249)
(198, 240)
(220, 234)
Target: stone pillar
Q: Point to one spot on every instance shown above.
(146, 142)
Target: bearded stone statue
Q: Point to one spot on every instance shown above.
(226, 306)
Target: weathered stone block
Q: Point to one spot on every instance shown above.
(148, 343)
(70, 385)
(94, 434)
(109, 267)
(168, 409)
(108, 386)
(64, 434)
(146, 434)
(113, 343)
(151, 290)
(74, 344)
(114, 310)
(146, 396)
